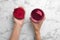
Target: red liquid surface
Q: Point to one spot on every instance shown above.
(19, 13)
(37, 14)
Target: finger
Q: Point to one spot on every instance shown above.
(30, 19)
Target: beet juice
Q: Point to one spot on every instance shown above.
(37, 15)
(19, 13)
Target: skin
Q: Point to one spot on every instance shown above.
(18, 25)
(17, 28)
(37, 27)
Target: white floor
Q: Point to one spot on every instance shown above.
(50, 29)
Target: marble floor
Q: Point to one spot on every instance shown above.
(50, 29)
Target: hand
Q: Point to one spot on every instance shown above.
(37, 26)
(18, 21)
(17, 28)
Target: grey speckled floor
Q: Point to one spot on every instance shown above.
(50, 29)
